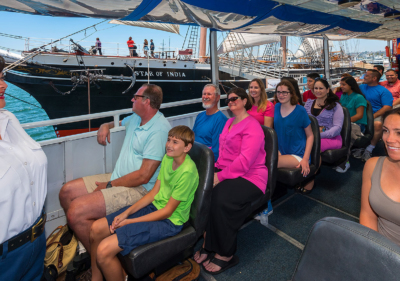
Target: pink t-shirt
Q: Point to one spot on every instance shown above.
(259, 115)
(242, 153)
(394, 89)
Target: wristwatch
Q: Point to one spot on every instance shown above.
(109, 185)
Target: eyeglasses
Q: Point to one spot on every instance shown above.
(138, 96)
(283, 93)
(232, 99)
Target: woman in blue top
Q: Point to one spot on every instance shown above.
(295, 137)
(354, 100)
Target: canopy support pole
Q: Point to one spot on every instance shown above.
(214, 57)
(390, 57)
(326, 59)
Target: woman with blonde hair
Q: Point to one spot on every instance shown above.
(261, 108)
(145, 47)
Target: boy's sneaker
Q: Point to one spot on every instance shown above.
(358, 152)
(270, 211)
(366, 155)
(340, 170)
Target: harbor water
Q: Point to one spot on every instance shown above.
(27, 111)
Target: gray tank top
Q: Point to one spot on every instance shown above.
(388, 211)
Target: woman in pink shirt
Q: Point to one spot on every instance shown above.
(240, 179)
(261, 109)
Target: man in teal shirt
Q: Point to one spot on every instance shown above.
(87, 199)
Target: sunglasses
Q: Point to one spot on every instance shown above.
(320, 78)
(232, 99)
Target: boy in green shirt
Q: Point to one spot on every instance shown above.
(161, 213)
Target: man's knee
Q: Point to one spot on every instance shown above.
(65, 193)
(75, 213)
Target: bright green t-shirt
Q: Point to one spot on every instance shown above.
(353, 102)
(181, 184)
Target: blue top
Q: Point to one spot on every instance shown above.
(151, 46)
(142, 142)
(352, 102)
(378, 96)
(207, 129)
(290, 130)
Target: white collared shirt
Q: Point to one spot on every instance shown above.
(23, 178)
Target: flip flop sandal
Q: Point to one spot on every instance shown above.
(223, 264)
(204, 251)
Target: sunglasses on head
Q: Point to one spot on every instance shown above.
(320, 78)
(232, 99)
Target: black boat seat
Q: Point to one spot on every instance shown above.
(293, 177)
(338, 249)
(165, 253)
(337, 156)
(271, 161)
(364, 141)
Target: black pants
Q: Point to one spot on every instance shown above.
(230, 206)
(99, 51)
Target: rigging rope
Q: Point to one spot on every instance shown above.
(23, 101)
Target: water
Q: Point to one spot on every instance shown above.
(27, 113)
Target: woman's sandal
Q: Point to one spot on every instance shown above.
(300, 189)
(204, 251)
(223, 264)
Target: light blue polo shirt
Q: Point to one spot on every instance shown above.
(142, 142)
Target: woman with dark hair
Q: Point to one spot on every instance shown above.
(295, 86)
(240, 178)
(293, 128)
(262, 109)
(329, 114)
(23, 187)
(338, 90)
(380, 197)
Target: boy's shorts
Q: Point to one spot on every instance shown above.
(135, 234)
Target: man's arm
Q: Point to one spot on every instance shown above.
(104, 132)
(139, 177)
(381, 111)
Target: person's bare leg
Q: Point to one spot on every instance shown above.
(377, 133)
(70, 191)
(99, 231)
(287, 161)
(200, 258)
(310, 185)
(213, 267)
(82, 213)
(107, 259)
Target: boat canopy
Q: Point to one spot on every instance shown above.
(173, 28)
(366, 19)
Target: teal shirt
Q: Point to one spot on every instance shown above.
(352, 102)
(180, 184)
(142, 142)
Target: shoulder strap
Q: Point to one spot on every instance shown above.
(183, 275)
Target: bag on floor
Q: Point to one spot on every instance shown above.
(60, 248)
(189, 270)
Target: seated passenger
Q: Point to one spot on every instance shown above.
(262, 109)
(89, 198)
(240, 179)
(393, 86)
(381, 101)
(310, 85)
(209, 124)
(338, 90)
(161, 213)
(23, 187)
(296, 88)
(380, 197)
(293, 128)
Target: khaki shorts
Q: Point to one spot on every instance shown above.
(115, 197)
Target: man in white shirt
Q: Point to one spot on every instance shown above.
(23, 189)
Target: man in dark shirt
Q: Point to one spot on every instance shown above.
(151, 48)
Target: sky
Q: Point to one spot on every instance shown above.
(112, 36)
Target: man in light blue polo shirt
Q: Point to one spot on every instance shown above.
(381, 101)
(89, 198)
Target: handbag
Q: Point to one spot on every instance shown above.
(189, 270)
(60, 248)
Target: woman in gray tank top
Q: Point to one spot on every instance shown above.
(380, 197)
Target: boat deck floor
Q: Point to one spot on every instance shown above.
(271, 253)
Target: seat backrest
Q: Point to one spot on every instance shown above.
(316, 149)
(338, 249)
(346, 129)
(370, 120)
(271, 160)
(203, 157)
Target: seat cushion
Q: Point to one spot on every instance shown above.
(142, 259)
(291, 177)
(332, 156)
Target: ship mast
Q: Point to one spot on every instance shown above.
(203, 44)
(284, 51)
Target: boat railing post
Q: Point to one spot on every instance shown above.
(326, 60)
(116, 120)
